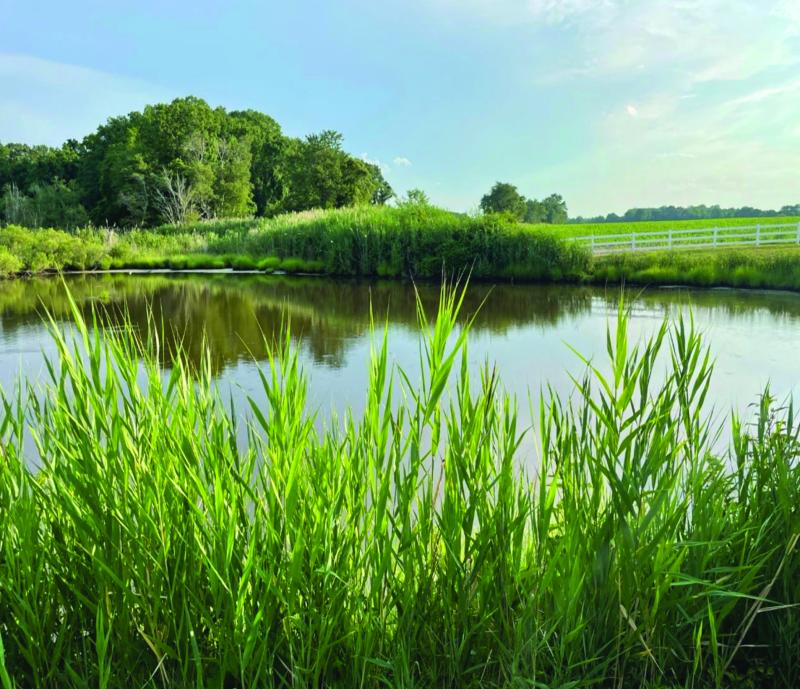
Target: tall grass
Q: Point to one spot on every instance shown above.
(774, 268)
(407, 547)
(416, 242)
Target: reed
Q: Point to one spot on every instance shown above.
(165, 538)
(407, 242)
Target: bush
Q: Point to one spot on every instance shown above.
(9, 264)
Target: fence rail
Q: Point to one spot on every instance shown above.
(698, 238)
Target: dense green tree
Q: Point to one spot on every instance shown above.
(319, 174)
(233, 193)
(25, 165)
(555, 209)
(535, 212)
(382, 190)
(504, 198)
(185, 160)
(56, 204)
(267, 167)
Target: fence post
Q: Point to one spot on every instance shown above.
(798, 233)
(669, 238)
(758, 235)
(593, 240)
(633, 240)
(715, 236)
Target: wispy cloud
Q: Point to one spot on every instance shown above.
(48, 102)
(770, 92)
(400, 161)
(691, 41)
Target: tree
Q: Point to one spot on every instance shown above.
(555, 209)
(58, 205)
(175, 198)
(15, 206)
(381, 189)
(267, 172)
(504, 198)
(415, 197)
(185, 159)
(535, 212)
(232, 189)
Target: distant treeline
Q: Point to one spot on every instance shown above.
(178, 162)
(689, 213)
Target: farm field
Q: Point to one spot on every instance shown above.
(601, 229)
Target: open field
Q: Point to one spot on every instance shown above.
(403, 549)
(601, 229)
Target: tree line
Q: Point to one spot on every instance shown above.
(505, 198)
(182, 161)
(701, 212)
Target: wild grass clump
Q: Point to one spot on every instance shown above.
(411, 241)
(776, 268)
(164, 540)
(407, 242)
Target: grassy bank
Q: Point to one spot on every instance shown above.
(405, 549)
(411, 242)
(418, 242)
(773, 268)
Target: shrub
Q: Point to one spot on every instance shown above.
(9, 264)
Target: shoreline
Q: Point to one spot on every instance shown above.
(588, 281)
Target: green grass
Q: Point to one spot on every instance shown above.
(774, 268)
(406, 547)
(410, 242)
(600, 229)
(420, 242)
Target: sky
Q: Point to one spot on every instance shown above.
(611, 103)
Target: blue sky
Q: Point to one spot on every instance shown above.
(612, 103)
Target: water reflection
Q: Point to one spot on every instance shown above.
(235, 314)
(521, 327)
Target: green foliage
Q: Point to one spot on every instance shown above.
(601, 229)
(415, 197)
(414, 241)
(56, 204)
(324, 176)
(504, 198)
(154, 545)
(177, 162)
(752, 267)
(9, 263)
(40, 250)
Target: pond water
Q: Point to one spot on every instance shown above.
(524, 329)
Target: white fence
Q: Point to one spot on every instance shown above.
(697, 238)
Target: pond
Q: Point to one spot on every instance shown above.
(524, 329)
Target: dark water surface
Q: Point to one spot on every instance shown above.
(755, 336)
